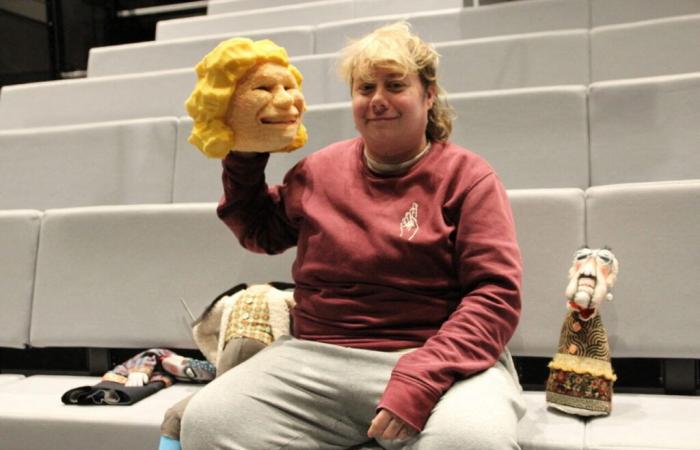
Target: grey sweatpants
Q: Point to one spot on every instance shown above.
(306, 395)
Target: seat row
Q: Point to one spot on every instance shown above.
(528, 60)
(225, 6)
(601, 12)
(666, 36)
(564, 136)
(487, 20)
(113, 277)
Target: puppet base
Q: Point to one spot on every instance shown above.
(581, 394)
(578, 406)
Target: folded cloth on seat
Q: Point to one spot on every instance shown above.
(110, 393)
(139, 377)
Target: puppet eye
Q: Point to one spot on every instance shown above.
(605, 257)
(582, 254)
(264, 88)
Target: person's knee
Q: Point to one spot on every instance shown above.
(199, 424)
(219, 418)
(493, 428)
(460, 438)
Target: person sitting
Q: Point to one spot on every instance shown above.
(407, 277)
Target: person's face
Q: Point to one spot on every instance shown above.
(391, 113)
(265, 110)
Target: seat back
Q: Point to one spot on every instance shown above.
(644, 49)
(373, 8)
(93, 164)
(19, 239)
(523, 17)
(186, 52)
(434, 26)
(229, 6)
(114, 276)
(321, 81)
(550, 227)
(608, 12)
(515, 61)
(645, 129)
(100, 99)
(534, 137)
(652, 229)
(300, 14)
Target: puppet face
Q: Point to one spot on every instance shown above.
(591, 277)
(265, 110)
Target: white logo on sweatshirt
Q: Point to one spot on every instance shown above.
(409, 223)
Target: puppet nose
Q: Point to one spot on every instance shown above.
(282, 99)
(589, 268)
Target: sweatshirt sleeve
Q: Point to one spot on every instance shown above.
(255, 213)
(489, 269)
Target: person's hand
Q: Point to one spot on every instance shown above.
(387, 426)
(246, 155)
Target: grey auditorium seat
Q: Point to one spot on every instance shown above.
(92, 164)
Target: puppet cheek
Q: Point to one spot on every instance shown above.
(299, 101)
(249, 104)
(243, 114)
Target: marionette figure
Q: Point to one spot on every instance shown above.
(581, 377)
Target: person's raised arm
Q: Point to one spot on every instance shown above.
(248, 99)
(255, 213)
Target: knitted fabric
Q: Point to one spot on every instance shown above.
(250, 318)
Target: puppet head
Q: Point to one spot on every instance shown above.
(591, 278)
(247, 98)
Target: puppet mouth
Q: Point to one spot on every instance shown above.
(279, 120)
(586, 283)
(585, 288)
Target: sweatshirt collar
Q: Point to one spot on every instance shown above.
(392, 169)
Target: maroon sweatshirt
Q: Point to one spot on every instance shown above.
(425, 259)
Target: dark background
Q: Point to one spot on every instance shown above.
(50, 39)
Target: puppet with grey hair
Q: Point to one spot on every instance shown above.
(581, 377)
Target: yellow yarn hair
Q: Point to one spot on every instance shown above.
(218, 73)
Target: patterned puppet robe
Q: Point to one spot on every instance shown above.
(580, 375)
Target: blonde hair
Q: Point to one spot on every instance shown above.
(218, 74)
(394, 46)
